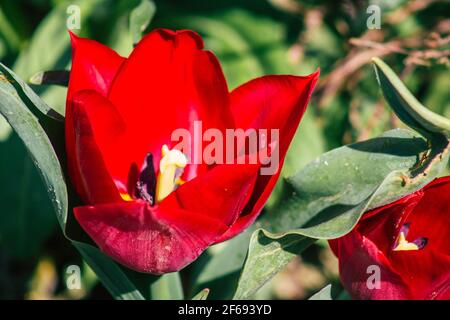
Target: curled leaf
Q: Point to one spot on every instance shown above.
(405, 105)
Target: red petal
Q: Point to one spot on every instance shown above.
(149, 239)
(271, 102)
(356, 254)
(167, 83)
(263, 188)
(93, 67)
(99, 134)
(220, 193)
(431, 217)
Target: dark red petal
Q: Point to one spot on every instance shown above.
(220, 193)
(382, 225)
(149, 239)
(93, 67)
(167, 83)
(271, 102)
(356, 254)
(99, 134)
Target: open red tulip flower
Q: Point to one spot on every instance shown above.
(406, 242)
(146, 204)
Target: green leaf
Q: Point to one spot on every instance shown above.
(323, 294)
(267, 256)
(202, 295)
(405, 105)
(326, 199)
(167, 287)
(140, 19)
(27, 126)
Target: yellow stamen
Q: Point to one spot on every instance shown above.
(171, 160)
(404, 245)
(126, 197)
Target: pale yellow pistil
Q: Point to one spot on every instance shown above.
(404, 245)
(169, 166)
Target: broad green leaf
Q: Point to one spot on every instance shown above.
(405, 105)
(266, 257)
(5, 129)
(327, 198)
(140, 18)
(167, 287)
(202, 295)
(323, 294)
(27, 126)
(111, 275)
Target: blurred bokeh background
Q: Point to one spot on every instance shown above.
(251, 38)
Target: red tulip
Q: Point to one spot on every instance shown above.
(121, 112)
(406, 242)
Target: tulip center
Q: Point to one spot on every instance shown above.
(404, 245)
(170, 169)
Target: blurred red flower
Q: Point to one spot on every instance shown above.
(121, 112)
(407, 242)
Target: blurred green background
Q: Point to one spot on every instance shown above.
(251, 38)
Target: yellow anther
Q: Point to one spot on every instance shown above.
(126, 197)
(171, 162)
(404, 245)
